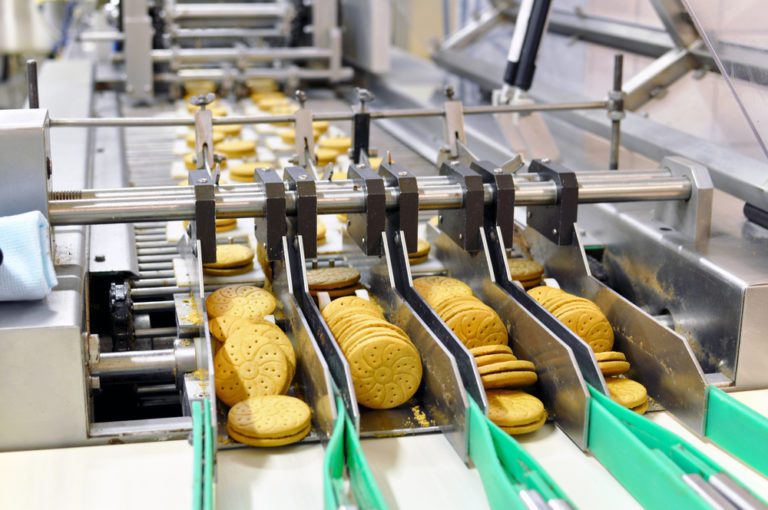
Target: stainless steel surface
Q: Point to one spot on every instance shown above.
(137, 45)
(561, 385)
(113, 250)
(151, 364)
(182, 11)
(661, 359)
(707, 492)
(734, 492)
(341, 196)
(692, 218)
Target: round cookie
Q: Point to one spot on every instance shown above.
(642, 408)
(524, 269)
(339, 144)
(244, 172)
(327, 278)
(269, 417)
(336, 293)
(609, 368)
(268, 443)
(478, 327)
(506, 366)
(340, 322)
(228, 271)
(516, 379)
(348, 305)
(321, 230)
(513, 408)
(325, 156)
(525, 429)
(385, 373)
(240, 300)
(490, 349)
(236, 148)
(610, 356)
(490, 359)
(591, 325)
(249, 366)
(422, 248)
(270, 332)
(434, 289)
(222, 327)
(539, 293)
(228, 129)
(415, 261)
(217, 138)
(231, 255)
(626, 392)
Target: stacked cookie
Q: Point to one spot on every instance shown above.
(336, 281)
(272, 420)
(321, 231)
(384, 364)
(254, 359)
(526, 271)
(482, 331)
(585, 318)
(231, 259)
(421, 254)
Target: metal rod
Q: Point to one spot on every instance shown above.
(205, 55)
(151, 292)
(223, 10)
(343, 196)
(153, 282)
(153, 306)
(224, 33)
(150, 364)
(151, 332)
(328, 116)
(616, 110)
(32, 90)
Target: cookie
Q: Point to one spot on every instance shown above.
(543, 291)
(327, 278)
(268, 443)
(340, 322)
(217, 138)
(435, 289)
(231, 255)
(626, 392)
(642, 408)
(514, 408)
(340, 144)
(422, 248)
(356, 335)
(268, 102)
(490, 349)
(228, 129)
(415, 261)
(228, 271)
(489, 359)
(516, 379)
(321, 230)
(222, 327)
(385, 373)
(236, 148)
(610, 356)
(349, 305)
(609, 368)
(265, 330)
(326, 156)
(478, 327)
(240, 300)
(337, 293)
(506, 366)
(525, 429)
(244, 172)
(289, 135)
(591, 325)
(524, 269)
(249, 366)
(269, 417)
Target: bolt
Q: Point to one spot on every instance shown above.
(454, 163)
(360, 165)
(364, 96)
(363, 239)
(529, 214)
(449, 92)
(202, 180)
(95, 382)
(402, 174)
(545, 160)
(99, 258)
(554, 231)
(302, 177)
(461, 236)
(301, 97)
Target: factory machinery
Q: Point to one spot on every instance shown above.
(120, 351)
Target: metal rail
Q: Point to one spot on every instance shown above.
(236, 201)
(329, 116)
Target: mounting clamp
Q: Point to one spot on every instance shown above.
(204, 226)
(304, 224)
(501, 211)
(405, 217)
(366, 228)
(463, 225)
(271, 228)
(555, 222)
(361, 126)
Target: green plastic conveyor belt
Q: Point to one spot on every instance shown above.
(737, 429)
(203, 452)
(345, 454)
(510, 476)
(659, 469)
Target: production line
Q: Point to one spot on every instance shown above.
(325, 295)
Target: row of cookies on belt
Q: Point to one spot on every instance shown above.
(259, 374)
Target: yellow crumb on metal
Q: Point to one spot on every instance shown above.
(420, 416)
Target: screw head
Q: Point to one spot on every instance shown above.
(99, 258)
(301, 97)
(529, 214)
(498, 170)
(202, 180)
(449, 91)
(302, 177)
(554, 231)
(402, 174)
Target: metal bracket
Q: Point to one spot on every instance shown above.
(305, 138)
(271, 228)
(555, 222)
(463, 225)
(366, 228)
(204, 226)
(693, 218)
(204, 131)
(405, 217)
(454, 123)
(361, 126)
(304, 223)
(501, 211)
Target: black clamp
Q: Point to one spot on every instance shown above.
(555, 222)
(405, 217)
(501, 211)
(304, 223)
(1, 257)
(361, 126)
(366, 227)
(463, 225)
(271, 228)
(204, 225)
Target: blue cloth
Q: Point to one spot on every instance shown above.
(26, 272)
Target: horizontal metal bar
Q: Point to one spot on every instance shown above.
(152, 332)
(151, 292)
(146, 363)
(344, 196)
(230, 10)
(204, 55)
(153, 306)
(325, 116)
(224, 33)
(153, 282)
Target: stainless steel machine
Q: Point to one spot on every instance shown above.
(120, 351)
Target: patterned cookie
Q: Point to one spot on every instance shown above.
(236, 148)
(247, 367)
(524, 269)
(341, 321)
(490, 349)
(490, 359)
(506, 366)
(350, 304)
(610, 356)
(513, 379)
(361, 335)
(513, 408)
(268, 443)
(269, 416)
(609, 368)
(435, 289)
(543, 291)
(327, 278)
(386, 373)
(240, 300)
(231, 255)
(222, 327)
(478, 327)
(271, 333)
(626, 392)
